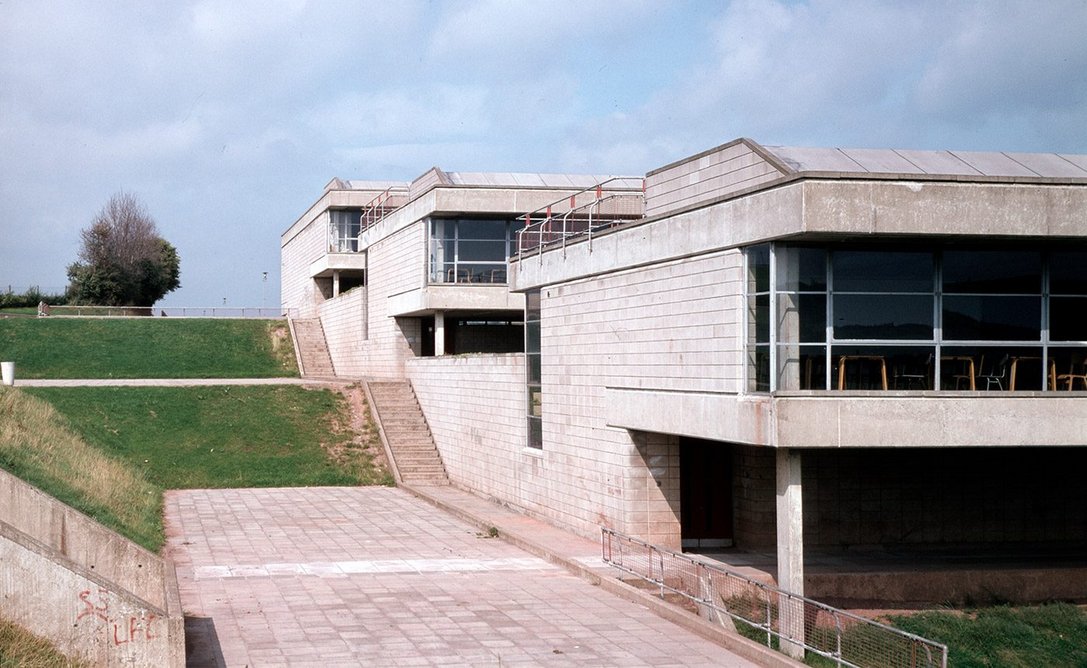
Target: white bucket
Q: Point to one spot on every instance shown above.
(7, 370)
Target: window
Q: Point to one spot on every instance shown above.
(880, 317)
(344, 228)
(533, 384)
(472, 251)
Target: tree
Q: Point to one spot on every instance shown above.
(123, 261)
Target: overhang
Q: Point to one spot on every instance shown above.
(856, 420)
(327, 264)
(431, 298)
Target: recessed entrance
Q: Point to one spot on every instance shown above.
(705, 494)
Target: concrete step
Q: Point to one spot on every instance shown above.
(407, 433)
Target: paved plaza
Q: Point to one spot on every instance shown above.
(374, 576)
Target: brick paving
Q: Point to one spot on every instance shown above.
(375, 576)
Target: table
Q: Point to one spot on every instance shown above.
(1033, 358)
(969, 362)
(842, 360)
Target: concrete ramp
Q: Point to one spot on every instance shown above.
(95, 594)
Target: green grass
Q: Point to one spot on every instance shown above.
(211, 437)
(146, 348)
(1052, 635)
(19, 647)
(187, 438)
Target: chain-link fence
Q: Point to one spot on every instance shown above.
(790, 623)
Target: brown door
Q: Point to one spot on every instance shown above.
(705, 493)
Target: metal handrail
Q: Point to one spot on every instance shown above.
(537, 220)
(796, 616)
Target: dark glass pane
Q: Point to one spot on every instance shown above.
(535, 433)
(1068, 318)
(991, 368)
(801, 367)
(532, 337)
(482, 229)
(533, 361)
(883, 317)
(535, 402)
(761, 312)
(1068, 369)
(532, 305)
(985, 318)
(481, 273)
(882, 271)
(801, 269)
(802, 318)
(758, 267)
(1068, 273)
(860, 368)
(993, 271)
(493, 251)
(759, 371)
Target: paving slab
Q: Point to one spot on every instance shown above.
(377, 576)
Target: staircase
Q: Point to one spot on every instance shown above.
(416, 459)
(309, 338)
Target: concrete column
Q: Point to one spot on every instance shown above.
(439, 333)
(790, 543)
(335, 283)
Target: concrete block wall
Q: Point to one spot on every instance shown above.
(91, 591)
(307, 244)
(709, 175)
(754, 497)
(380, 346)
(475, 406)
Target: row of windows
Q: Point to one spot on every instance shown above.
(470, 250)
(870, 317)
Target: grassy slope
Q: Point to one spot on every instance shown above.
(1049, 635)
(19, 647)
(146, 348)
(206, 437)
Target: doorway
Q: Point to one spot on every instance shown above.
(705, 494)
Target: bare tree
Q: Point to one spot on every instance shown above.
(123, 260)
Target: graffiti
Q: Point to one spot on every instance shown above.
(126, 628)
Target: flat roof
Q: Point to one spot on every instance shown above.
(994, 165)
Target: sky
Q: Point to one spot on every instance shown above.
(228, 118)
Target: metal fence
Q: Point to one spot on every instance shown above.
(172, 312)
(793, 624)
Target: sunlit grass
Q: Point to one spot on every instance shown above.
(19, 647)
(57, 347)
(38, 445)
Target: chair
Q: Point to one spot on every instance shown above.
(909, 373)
(1077, 370)
(994, 375)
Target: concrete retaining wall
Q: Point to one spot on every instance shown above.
(95, 594)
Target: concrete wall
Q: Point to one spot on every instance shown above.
(297, 289)
(92, 592)
(716, 173)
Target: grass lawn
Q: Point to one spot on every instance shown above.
(1052, 635)
(146, 348)
(182, 438)
(19, 647)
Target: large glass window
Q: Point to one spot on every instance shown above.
(956, 318)
(344, 228)
(464, 250)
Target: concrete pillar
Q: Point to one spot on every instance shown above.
(335, 283)
(439, 333)
(790, 543)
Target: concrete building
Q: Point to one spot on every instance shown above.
(784, 350)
